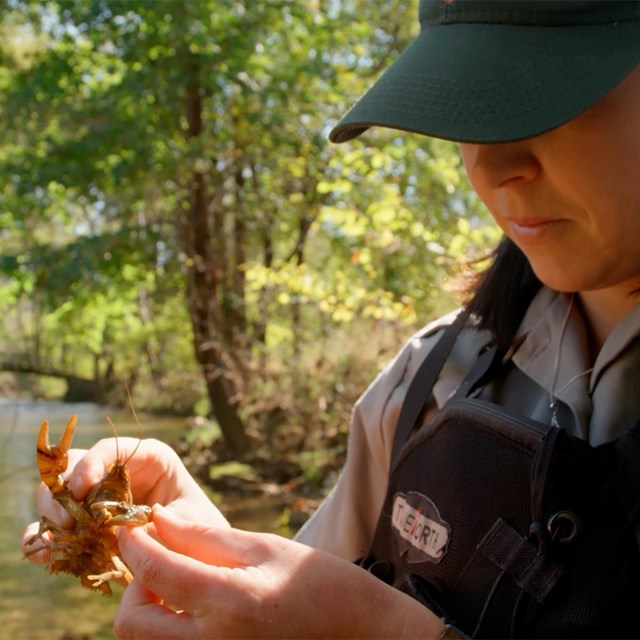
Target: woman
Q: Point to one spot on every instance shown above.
(544, 98)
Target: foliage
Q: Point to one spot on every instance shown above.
(169, 204)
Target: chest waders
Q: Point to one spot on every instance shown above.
(508, 527)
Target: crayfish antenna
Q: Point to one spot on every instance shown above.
(135, 417)
(115, 431)
(115, 435)
(133, 411)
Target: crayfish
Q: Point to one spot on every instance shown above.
(89, 550)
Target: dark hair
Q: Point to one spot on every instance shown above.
(503, 293)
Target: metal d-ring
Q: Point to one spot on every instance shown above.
(564, 522)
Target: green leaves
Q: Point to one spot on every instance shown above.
(119, 117)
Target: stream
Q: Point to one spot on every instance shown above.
(33, 604)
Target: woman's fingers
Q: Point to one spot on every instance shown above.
(145, 463)
(139, 604)
(203, 572)
(198, 508)
(177, 579)
(220, 546)
(156, 471)
(48, 507)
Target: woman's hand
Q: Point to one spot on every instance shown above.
(157, 477)
(198, 581)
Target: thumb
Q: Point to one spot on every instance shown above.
(170, 574)
(219, 546)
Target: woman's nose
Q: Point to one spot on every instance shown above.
(496, 165)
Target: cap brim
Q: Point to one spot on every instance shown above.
(493, 83)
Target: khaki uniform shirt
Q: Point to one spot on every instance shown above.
(597, 404)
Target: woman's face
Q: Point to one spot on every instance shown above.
(570, 198)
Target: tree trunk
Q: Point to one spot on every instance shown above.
(202, 290)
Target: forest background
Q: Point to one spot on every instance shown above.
(173, 218)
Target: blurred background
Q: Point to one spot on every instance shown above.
(174, 222)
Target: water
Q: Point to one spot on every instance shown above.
(33, 604)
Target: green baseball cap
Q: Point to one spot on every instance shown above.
(501, 70)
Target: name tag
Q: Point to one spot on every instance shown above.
(423, 534)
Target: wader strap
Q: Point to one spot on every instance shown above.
(423, 381)
(489, 362)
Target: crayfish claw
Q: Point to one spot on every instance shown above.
(53, 459)
(118, 513)
(65, 440)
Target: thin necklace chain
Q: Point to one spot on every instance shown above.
(553, 401)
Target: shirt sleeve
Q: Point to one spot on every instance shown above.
(345, 522)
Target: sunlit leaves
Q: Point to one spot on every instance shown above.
(99, 151)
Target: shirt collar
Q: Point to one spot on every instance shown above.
(558, 360)
(627, 330)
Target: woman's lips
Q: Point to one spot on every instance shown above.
(532, 230)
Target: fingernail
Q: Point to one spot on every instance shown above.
(77, 487)
(73, 484)
(161, 510)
